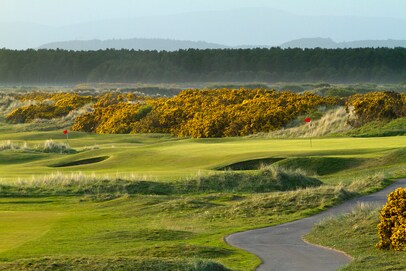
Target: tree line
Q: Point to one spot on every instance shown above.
(193, 65)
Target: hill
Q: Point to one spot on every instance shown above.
(135, 44)
(234, 27)
(331, 44)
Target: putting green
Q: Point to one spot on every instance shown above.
(165, 157)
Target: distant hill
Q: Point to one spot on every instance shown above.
(234, 27)
(330, 44)
(174, 45)
(136, 44)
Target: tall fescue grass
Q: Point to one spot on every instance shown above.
(9, 145)
(333, 121)
(269, 179)
(266, 180)
(49, 146)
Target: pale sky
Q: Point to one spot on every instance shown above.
(66, 12)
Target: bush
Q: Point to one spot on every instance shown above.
(372, 106)
(392, 225)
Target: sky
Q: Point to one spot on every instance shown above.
(67, 12)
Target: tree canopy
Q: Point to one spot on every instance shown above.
(193, 65)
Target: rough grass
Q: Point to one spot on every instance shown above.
(49, 146)
(395, 127)
(356, 234)
(9, 145)
(56, 147)
(267, 179)
(110, 264)
(321, 165)
(333, 121)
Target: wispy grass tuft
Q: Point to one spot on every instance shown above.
(9, 145)
(333, 121)
(267, 180)
(51, 146)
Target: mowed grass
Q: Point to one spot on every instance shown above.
(166, 158)
(19, 227)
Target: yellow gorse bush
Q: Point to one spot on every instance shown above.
(199, 113)
(48, 106)
(392, 225)
(376, 106)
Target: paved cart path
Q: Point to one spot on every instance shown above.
(281, 247)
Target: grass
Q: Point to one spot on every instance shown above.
(379, 128)
(163, 227)
(155, 202)
(21, 227)
(267, 179)
(49, 146)
(166, 227)
(167, 158)
(112, 263)
(333, 121)
(356, 234)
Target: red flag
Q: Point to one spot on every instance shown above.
(307, 119)
(65, 132)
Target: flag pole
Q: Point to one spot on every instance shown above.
(308, 120)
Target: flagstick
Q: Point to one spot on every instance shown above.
(310, 124)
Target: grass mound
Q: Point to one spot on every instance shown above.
(394, 157)
(146, 235)
(82, 162)
(395, 127)
(266, 180)
(186, 250)
(356, 233)
(251, 164)
(110, 264)
(321, 165)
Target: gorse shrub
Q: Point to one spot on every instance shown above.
(46, 106)
(376, 106)
(392, 225)
(199, 113)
